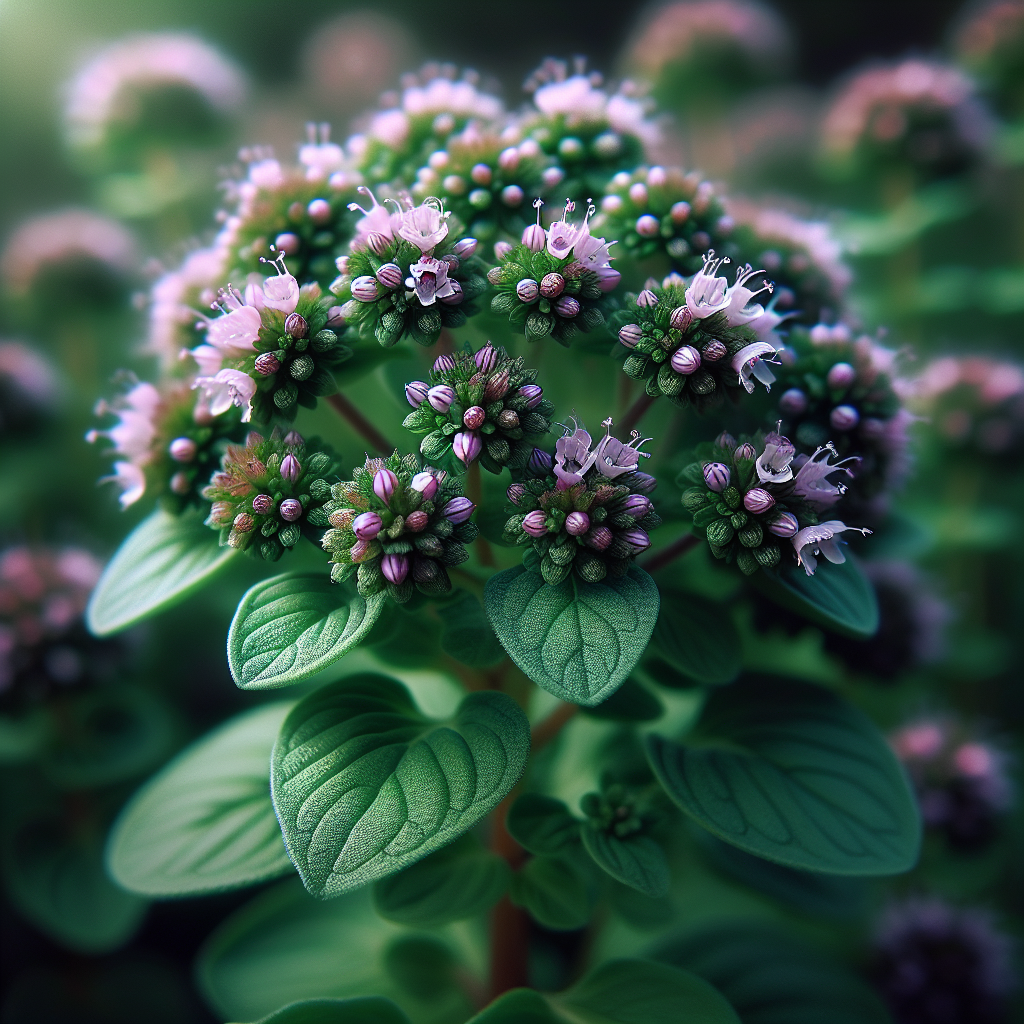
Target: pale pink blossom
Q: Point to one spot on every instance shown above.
(707, 293)
(131, 479)
(235, 334)
(226, 388)
(424, 226)
(175, 297)
(812, 478)
(319, 155)
(752, 361)
(280, 293)
(812, 541)
(430, 277)
(133, 434)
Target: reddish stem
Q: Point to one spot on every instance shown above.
(666, 555)
(547, 730)
(636, 412)
(360, 424)
(509, 923)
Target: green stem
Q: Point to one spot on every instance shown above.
(635, 412)
(661, 558)
(360, 424)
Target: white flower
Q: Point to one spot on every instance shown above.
(424, 226)
(281, 293)
(708, 293)
(575, 99)
(741, 309)
(226, 388)
(812, 541)
(752, 361)
(131, 479)
(774, 464)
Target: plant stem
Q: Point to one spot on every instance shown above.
(360, 424)
(666, 555)
(474, 491)
(509, 923)
(547, 730)
(636, 411)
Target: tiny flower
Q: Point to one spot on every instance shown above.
(773, 465)
(552, 285)
(430, 277)
(384, 484)
(262, 504)
(281, 293)
(812, 541)
(365, 289)
(467, 445)
(458, 510)
(751, 361)
(717, 476)
(793, 402)
(486, 358)
(440, 398)
(685, 360)
(758, 500)
(567, 306)
(535, 523)
(841, 376)
(424, 226)
(235, 333)
(528, 290)
(290, 509)
(366, 525)
(631, 335)
(395, 568)
(473, 418)
(226, 388)
(183, 449)
(416, 393)
(647, 299)
(577, 523)
(844, 418)
(426, 484)
(599, 538)
(390, 275)
(290, 468)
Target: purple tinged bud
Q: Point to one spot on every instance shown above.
(267, 364)
(416, 393)
(599, 538)
(467, 445)
(384, 484)
(784, 525)
(262, 504)
(638, 193)
(577, 524)
(540, 462)
(457, 295)
(515, 493)
(535, 238)
(360, 550)
(243, 522)
(535, 523)
(452, 261)
(290, 509)
(293, 439)
(642, 483)
(552, 285)
(532, 393)
(647, 299)
(647, 226)
(512, 195)
(758, 500)
(416, 522)
(319, 211)
(841, 376)
(440, 398)
(746, 452)
(458, 510)
(636, 538)
(679, 212)
(630, 335)
(502, 249)
(486, 358)
(552, 176)
(717, 476)
(681, 318)
(389, 275)
(726, 440)
(426, 484)
(444, 363)
(180, 483)
(295, 325)
(508, 159)
(378, 242)
(685, 360)
(528, 290)
(481, 174)
(288, 243)
(793, 402)
(473, 418)
(465, 247)
(567, 306)
(366, 525)
(713, 351)
(291, 468)
(395, 568)
(183, 449)
(365, 289)
(636, 505)
(335, 321)
(844, 417)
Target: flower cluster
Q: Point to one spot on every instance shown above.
(408, 273)
(586, 510)
(481, 405)
(278, 347)
(398, 525)
(695, 341)
(990, 42)
(267, 493)
(552, 283)
(752, 495)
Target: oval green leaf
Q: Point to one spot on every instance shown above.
(542, 824)
(365, 785)
(792, 773)
(578, 641)
(555, 891)
(205, 822)
(636, 861)
(290, 627)
(368, 1010)
(163, 560)
(697, 638)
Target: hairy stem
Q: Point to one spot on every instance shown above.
(636, 412)
(509, 923)
(666, 555)
(360, 424)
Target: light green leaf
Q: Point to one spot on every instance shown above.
(697, 638)
(290, 627)
(364, 785)
(636, 861)
(367, 1010)
(556, 892)
(577, 640)
(205, 822)
(163, 560)
(542, 824)
(791, 772)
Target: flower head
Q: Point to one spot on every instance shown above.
(425, 226)
(813, 541)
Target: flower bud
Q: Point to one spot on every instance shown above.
(501, 250)
(366, 525)
(384, 484)
(515, 493)
(685, 360)
(528, 290)
(512, 195)
(713, 351)
(295, 325)
(599, 538)
(267, 364)
(636, 505)
(379, 243)
(416, 393)
(630, 335)
(290, 468)
(784, 525)
(726, 440)
(220, 511)
(636, 538)
(532, 393)
(535, 523)
(841, 376)
(872, 429)
(457, 295)
(288, 243)
(540, 462)
(395, 568)
(535, 238)
(567, 306)
(508, 159)
(416, 522)
(757, 500)
(361, 550)
(426, 484)
(342, 518)
(496, 386)
(647, 299)
(444, 363)
(180, 483)
(389, 275)
(481, 174)
(844, 417)
(647, 226)
(681, 318)
(552, 177)
(290, 509)
(793, 402)
(440, 398)
(183, 449)
(474, 417)
(262, 504)
(467, 446)
(486, 358)
(552, 285)
(458, 510)
(638, 193)
(717, 476)
(746, 452)
(464, 248)
(365, 289)
(642, 483)
(679, 212)
(243, 523)
(577, 524)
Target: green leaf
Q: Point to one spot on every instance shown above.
(838, 597)
(697, 638)
(467, 635)
(542, 824)
(460, 881)
(771, 978)
(578, 641)
(631, 702)
(205, 822)
(163, 560)
(367, 1010)
(637, 861)
(290, 627)
(23, 736)
(791, 772)
(365, 785)
(555, 891)
(520, 1006)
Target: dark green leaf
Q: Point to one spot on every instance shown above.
(542, 824)
(422, 966)
(23, 736)
(467, 635)
(163, 560)
(631, 702)
(460, 881)
(577, 640)
(520, 1006)
(791, 772)
(637, 861)
(555, 891)
(205, 822)
(290, 627)
(645, 913)
(697, 638)
(365, 785)
(838, 597)
(368, 1010)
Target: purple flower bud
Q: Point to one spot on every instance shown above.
(295, 325)
(378, 242)
(426, 484)
(515, 493)
(552, 285)
(365, 289)
(440, 398)
(647, 299)
(784, 525)
(291, 468)
(474, 417)
(599, 538)
(552, 177)
(290, 509)
(746, 452)
(567, 306)
(486, 358)
(360, 550)
(243, 522)
(638, 193)
(183, 449)
(389, 275)
(262, 504)
(647, 226)
(288, 242)
(535, 523)
(496, 274)
(726, 440)
(366, 525)
(444, 363)
(685, 360)
(452, 262)
(681, 318)
(319, 211)
(457, 295)
(757, 500)
(416, 393)
(844, 417)
(335, 321)
(496, 386)
(532, 393)
(636, 538)
(528, 290)
(416, 522)
(713, 351)
(630, 335)
(293, 439)
(540, 462)
(395, 568)
(384, 484)
(512, 195)
(679, 212)
(841, 376)
(717, 476)
(642, 483)
(464, 248)
(467, 445)
(535, 238)
(267, 364)
(501, 250)
(577, 524)
(636, 505)
(180, 483)
(458, 510)
(793, 402)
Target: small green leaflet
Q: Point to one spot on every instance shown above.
(557, 891)
(636, 861)
(542, 824)
(365, 1010)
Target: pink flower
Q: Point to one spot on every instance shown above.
(572, 457)
(562, 235)
(281, 293)
(741, 309)
(375, 221)
(430, 279)
(136, 430)
(812, 541)
(812, 483)
(774, 464)
(234, 334)
(707, 293)
(424, 226)
(226, 388)
(132, 481)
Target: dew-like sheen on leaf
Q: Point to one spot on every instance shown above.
(365, 785)
(791, 772)
(578, 641)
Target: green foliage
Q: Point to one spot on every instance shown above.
(697, 638)
(290, 627)
(205, 822)
(367, 1010)
(161, 562)
(792, 773)
(364, 785)
(467, 635)
(558, 892)
(631, 702)
(542, 824)
(578, 641)
(636, 860)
